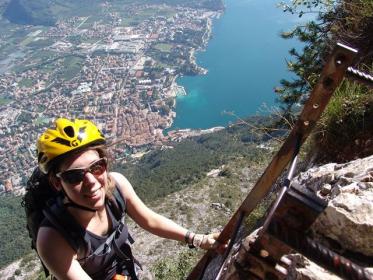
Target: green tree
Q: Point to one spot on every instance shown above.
(346, 21)
(14, 241)
(345, 128)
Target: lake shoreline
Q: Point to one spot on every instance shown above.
(242, 68)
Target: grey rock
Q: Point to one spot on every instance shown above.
(325, 189)
(348, 218)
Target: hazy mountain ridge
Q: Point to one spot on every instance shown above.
(47, 12)
(29, 12)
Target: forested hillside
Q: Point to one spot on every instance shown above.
(165, 171)
(14, 241)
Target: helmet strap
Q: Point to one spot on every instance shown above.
(73, 204)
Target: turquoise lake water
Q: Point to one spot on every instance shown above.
(245, 59)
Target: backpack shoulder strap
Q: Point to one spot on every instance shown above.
(62, 220)
(118, 207)
(117, 202)
(121, 201)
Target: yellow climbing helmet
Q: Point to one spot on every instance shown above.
(66, 137)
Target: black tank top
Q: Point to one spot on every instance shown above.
(106, 264)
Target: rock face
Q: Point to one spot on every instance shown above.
(345, 225)
(348, 218)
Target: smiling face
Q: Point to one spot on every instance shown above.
(91, 191)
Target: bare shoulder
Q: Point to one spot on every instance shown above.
(119, 178)
(121, 181)
(57, 254)
(125, 188)
(49, 238)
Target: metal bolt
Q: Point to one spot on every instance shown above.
(340, 59)
(264, 253)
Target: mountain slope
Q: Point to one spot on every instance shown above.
(29, 12)
(47, 12)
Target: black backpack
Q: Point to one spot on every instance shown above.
(40, 202)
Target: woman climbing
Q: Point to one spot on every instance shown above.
(75, 161)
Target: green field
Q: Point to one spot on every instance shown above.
(4, 101)
(27, 41)
(26, 83)
(162, 65)
(92, 40)
(71, 67)
(144, 14)
(41, 120)
(41, 43)
(39, 59)
(129, 22)
(163, 47)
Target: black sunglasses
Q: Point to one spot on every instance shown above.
(75, 176)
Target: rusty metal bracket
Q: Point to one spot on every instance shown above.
(261, 256)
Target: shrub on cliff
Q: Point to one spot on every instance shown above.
(344, 132)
